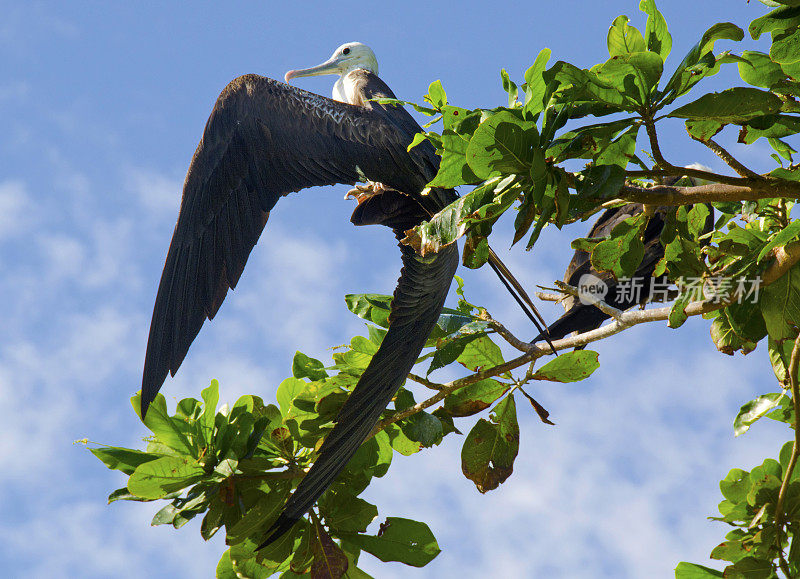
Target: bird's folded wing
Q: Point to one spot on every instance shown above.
(417, 303)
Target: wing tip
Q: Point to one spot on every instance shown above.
(279, 528)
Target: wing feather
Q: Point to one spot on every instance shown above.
(418, 300)
(263, 140)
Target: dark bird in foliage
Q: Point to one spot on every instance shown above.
(266, 139)
(581, 317)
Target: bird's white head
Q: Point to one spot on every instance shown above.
(347, 57)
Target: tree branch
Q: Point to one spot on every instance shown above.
(727, 157)
(685, 171)
(794, 362)
(596, 302)
(627, 319)
(749, 190)
(425, 382)
(650, 127)
(785, 258)
(503, 332)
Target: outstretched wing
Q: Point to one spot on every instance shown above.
(417, 303)
(264, 139)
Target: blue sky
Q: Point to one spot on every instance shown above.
(103, 105)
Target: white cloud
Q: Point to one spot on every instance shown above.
(16, 208)
(159, 194)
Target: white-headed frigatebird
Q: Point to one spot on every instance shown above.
(266, 139)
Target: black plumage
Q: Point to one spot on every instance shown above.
(265, 139)
(581, 317)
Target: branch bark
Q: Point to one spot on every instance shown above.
(745, 190)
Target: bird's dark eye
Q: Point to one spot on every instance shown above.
(346, 51)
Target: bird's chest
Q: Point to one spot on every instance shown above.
(345, 90)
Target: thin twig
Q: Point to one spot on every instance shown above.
(425, 382)
(723, 154)
(503, 332)
(592, 300)
(549, 297)
(794, 362)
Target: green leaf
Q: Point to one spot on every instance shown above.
(510, 87)
(403, 540)
(424, 428)
(753, 568)
(123, 459)
(686, 570)
(755, 410)
(734, 105)
(156, 478)
(225, 567)
(346, 513)
(451, 222)
(569, 367)
(634, 75)
(784, 149)
(700, 61)
(677, 314)
(785, 47)
(170, 431)
(726, 339)
(259, 516)
(780, 305)
(730, 551)
(436, 95)
(450, 351)
(535, 85)
(503, 144)
(776, 21)
(487, 457)
(760, 70)
(623, 38)
(480, 354)
(210, 397)
(287, 391)
(784, 236)
(401, 442)
(622, 253)
(619, 151)
(474, 398)
(418, 139)
(770, 127)
(374, 308)
(657, 35)
(305, 367)
(459, 126)
(703, 129)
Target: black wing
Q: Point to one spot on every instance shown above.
(417, 302)
(264, 139)
(582, 317)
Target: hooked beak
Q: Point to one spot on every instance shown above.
(331, 66)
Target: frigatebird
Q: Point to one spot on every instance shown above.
(582, 317)
(266, 139)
